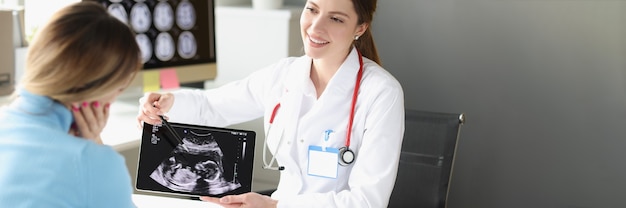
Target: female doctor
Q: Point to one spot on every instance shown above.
(334, 118)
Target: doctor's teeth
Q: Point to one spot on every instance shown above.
(318, 41)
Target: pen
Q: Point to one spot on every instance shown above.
(169, 128)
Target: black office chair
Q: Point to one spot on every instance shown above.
(426, 160)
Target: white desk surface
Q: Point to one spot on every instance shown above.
(122, 131)
(148, 201)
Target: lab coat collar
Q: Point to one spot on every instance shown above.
(299, 80)
(38, 105)
(344, 79)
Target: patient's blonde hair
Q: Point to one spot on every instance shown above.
(80, 54)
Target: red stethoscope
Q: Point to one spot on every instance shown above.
(346, 155)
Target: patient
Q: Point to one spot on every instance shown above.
(50, 149)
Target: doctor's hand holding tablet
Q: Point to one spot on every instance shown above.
(333, 118)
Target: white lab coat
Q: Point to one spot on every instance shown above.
(378, 127)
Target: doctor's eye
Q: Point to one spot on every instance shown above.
(336, 19)
(311, 9)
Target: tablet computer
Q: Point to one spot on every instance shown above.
(202, 161)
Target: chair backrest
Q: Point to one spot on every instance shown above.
(427, 158)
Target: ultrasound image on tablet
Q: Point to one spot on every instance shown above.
(206, 161)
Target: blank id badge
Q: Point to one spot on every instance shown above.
(323, 162)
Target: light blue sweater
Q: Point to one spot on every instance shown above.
(41, 165)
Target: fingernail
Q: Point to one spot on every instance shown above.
(224, 200)
(96, 104)
(107, 105)
(85, 104)
(75, 108)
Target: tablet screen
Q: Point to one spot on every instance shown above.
(204, 161)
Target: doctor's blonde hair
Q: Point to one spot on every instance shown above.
(81, 53)
(365, 44)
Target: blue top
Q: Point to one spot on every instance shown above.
(41, 165)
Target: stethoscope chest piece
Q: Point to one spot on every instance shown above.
(346, 156)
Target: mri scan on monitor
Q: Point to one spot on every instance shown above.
(201, 161)
(169, 32)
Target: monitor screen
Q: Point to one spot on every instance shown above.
(170, 33)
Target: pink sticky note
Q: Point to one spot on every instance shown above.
(169, 79)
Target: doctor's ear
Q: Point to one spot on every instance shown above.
(360, 30)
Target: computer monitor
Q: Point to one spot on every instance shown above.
(172, 34)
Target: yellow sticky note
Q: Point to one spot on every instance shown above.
(151, 81)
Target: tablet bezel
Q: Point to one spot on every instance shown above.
(244, 166)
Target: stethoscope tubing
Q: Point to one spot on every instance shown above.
(357, 86)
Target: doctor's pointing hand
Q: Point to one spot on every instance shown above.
(333, 118)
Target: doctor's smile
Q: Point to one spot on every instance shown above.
(318, 42)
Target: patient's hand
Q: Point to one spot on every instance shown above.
(89, 120)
